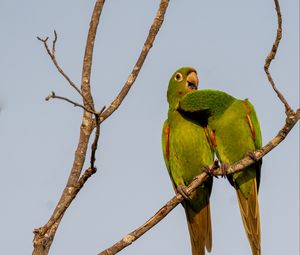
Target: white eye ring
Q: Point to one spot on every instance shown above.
(178, 77)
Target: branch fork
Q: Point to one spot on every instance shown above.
(91, 119)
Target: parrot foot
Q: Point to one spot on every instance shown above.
(210, 170)
(252, 155)
(224, 167)
(182, 190)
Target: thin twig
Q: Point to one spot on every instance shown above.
(272, 55)
(96, 139)
(53, 58)
(54, 42)
(197, 181)
(54, 96)
(156, 25)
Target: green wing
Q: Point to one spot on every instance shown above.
(237, 132)
(166, 148)
(186, 151)
(206, 102)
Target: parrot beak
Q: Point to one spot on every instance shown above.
(192, 80)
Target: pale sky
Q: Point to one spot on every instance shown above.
(226, 42)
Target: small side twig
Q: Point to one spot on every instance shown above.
(51, 53)
(96, 139)
(52, 95)
(272, 55)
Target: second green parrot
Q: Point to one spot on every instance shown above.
(186, 151)
(234, 132)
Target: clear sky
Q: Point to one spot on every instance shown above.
(226, 41)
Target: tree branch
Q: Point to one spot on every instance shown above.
(197, 181)
(88, 55)
(272, 55)
(44, 236)
(156, 25)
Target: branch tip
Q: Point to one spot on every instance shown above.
(43, 40)
(54, 42)
(51, 95)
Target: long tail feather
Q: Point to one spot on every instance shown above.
(199, 224)
(250, 215)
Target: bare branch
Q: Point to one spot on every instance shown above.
(198, 180)
(88, 55)
(53, 96)
(272, 55)
(156, 25)
(44, 236)
(53, 58)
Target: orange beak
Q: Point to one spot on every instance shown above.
(192, 80)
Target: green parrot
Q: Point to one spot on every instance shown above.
(186, 151)
(234, 132)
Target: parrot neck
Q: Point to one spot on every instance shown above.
(173, 101)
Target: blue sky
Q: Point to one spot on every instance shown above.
(225, 41)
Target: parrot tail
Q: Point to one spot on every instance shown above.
(199, 225)
(250, 215)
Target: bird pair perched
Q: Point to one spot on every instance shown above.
(201, 124)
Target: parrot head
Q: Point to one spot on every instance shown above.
(183, 81)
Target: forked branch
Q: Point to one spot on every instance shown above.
(52, 55)
(44, 235)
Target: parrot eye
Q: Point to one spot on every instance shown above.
(178, 77)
